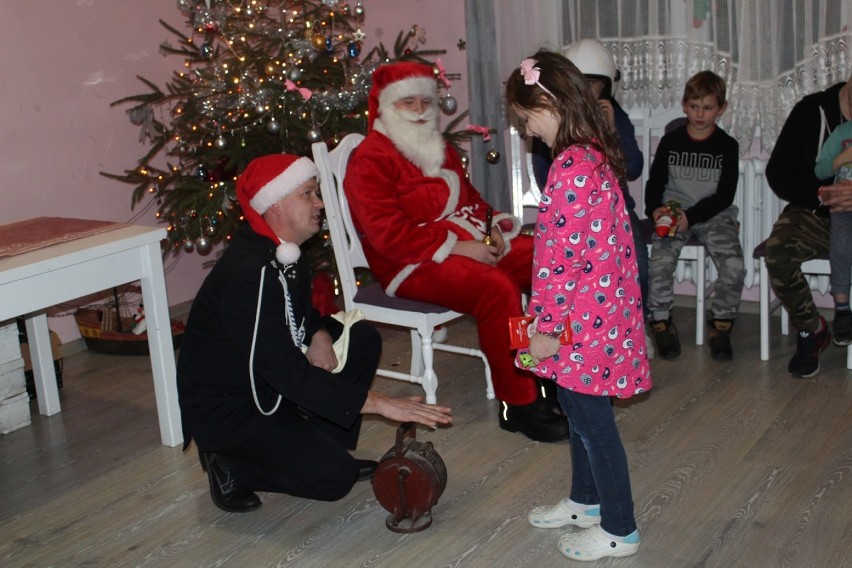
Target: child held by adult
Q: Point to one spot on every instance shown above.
(835, 160)
(585, 277)
(695, 173)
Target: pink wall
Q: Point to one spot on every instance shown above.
(62, 68)
(65, 63)
(443, 21)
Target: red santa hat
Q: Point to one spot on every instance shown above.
(263, 183)
(397, 81)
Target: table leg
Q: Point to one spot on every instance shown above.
(160, 345)
(41, 354)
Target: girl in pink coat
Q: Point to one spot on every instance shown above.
(584, 277)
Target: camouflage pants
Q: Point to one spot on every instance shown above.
(720, 236)
(797, 236)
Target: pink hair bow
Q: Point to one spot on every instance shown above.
(483, 130)
(442, 73)
(291, 86)
(531, 74)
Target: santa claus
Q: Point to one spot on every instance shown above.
(422, 225)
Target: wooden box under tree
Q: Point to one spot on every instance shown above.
(105, 332)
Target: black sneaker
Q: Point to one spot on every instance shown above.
(720, 339)
(665, 334)
(809, 344)
(842, 325)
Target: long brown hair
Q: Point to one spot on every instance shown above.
(567, 95)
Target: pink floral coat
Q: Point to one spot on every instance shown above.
(584, 272)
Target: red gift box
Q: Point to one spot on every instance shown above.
(521, 329)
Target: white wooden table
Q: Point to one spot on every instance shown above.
(36, 280)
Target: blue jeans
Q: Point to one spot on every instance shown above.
(840, 253)
(599, 464)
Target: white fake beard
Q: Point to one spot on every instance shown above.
(421, 143)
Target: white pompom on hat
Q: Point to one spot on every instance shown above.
(396, 81)
(263, 183)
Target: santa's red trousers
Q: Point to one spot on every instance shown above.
(491, 294)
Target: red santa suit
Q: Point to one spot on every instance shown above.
(411, 210)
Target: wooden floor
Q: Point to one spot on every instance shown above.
(733, 465)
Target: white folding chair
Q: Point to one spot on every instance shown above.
(420, 317)
(811, 268)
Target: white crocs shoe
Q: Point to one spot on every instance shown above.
(595, 543)
(563, 514)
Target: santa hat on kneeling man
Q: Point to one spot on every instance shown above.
(264, 182)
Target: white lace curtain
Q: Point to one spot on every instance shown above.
(770, 52)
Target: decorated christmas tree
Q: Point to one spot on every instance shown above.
(258, 77)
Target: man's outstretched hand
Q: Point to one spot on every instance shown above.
(410, 409)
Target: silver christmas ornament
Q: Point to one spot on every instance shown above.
(448, 104)
(314, 135)
(493, 156)
(295, 73)
(221, 143)
(359, 9)
(188, 245)
(203, 245)
(210, 230)
(273, 125)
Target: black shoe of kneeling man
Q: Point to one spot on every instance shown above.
(226, 494)
(366, 469)
(536, 421)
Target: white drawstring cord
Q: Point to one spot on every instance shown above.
(251, 353)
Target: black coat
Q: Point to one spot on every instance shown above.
(214, 384)
(790, 170)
